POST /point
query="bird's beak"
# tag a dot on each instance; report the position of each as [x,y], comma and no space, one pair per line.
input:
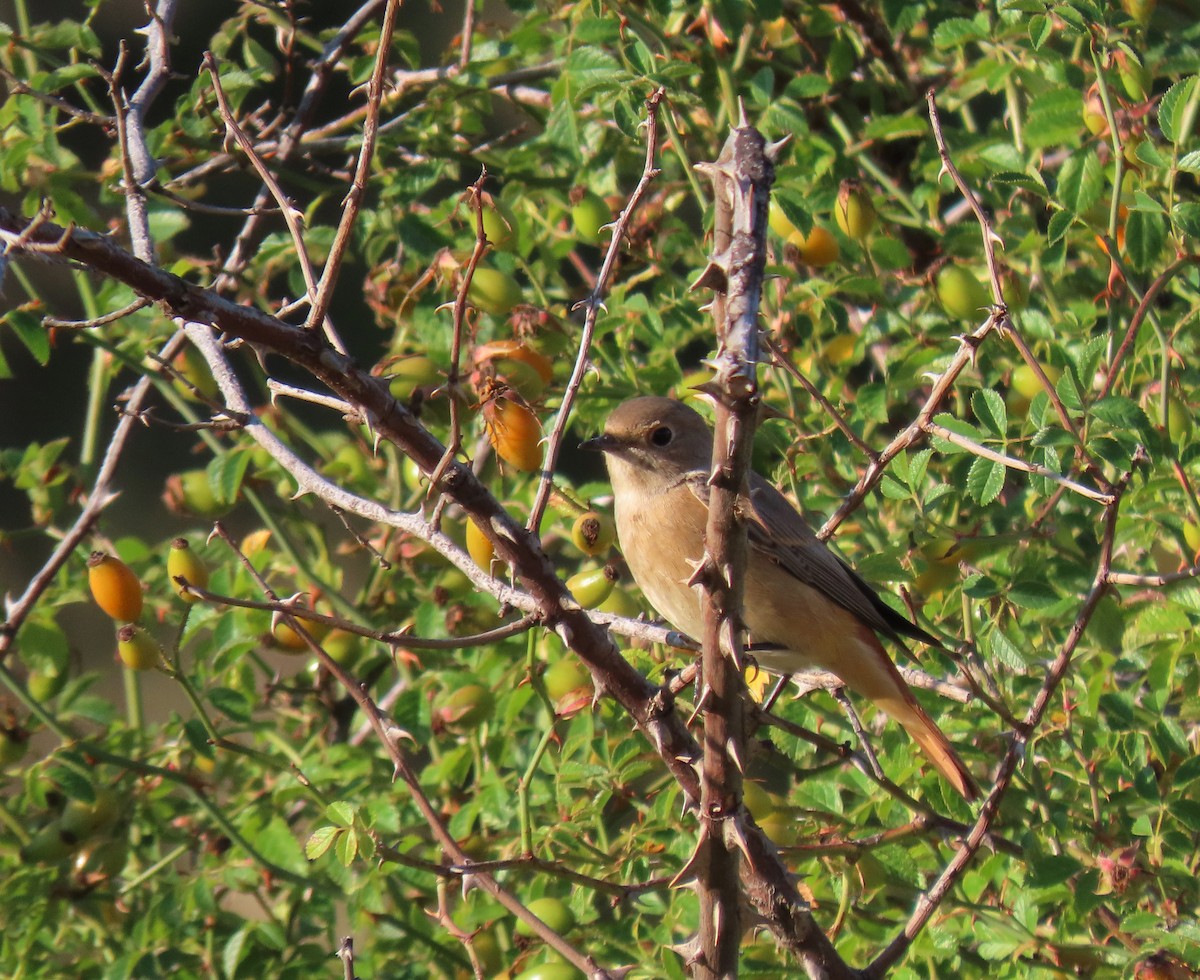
[600,444]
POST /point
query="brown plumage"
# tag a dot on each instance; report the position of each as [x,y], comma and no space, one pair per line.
[803,606]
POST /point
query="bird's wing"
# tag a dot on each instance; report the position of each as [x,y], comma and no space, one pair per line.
[778,533]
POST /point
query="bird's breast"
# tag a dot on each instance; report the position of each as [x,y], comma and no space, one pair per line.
[662,537]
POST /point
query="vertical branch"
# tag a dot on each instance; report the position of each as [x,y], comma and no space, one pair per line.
[358,186]
[741,178]
[593,305]
[138,167]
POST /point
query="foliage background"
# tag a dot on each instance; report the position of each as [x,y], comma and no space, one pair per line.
[200,867]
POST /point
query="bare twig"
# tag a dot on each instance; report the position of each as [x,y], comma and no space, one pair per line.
[454,443]
[292,215]
[1000,311]
[592,306]
[1012,463]
[358,186]
[391,637]
[1135,322]
[17,87]
[784,362]
[1154,581]
[914,431]
[322,71]
[99,321]
[280,390]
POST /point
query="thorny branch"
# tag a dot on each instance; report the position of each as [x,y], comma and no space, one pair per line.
[389,736]
[102,494]
[358,187]
[592,306]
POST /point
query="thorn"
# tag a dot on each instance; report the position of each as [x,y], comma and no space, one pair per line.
[698,572]
[699,705]
[714,276]
[734,753]
[687,871]
[943,171]
[743,121]
[734,829]
[773,150]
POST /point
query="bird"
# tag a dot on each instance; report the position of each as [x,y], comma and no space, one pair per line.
[803,607]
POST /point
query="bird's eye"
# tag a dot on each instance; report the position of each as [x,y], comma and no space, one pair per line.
[662,436]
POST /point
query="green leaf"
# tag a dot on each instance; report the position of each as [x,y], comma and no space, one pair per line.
[1080,182]
[232,703]
[956,32]
[1031,182]
[985,480]
[1120,412]
[31,333]
[1145,236]
[1186,217]
[892,489]
[989,409]
[1187,812]
[1059,224]
[1053,869]
[1053,119]
[225,474]
[1173,107]
[235,950]
[1032,594]
[320,840]
[341,813]
[873,402]
[347,848]
[1005,652]
[1189,161]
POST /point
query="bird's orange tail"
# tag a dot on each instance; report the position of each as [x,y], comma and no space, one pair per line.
[882,683]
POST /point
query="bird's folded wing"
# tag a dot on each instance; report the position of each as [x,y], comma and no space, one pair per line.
[777,532]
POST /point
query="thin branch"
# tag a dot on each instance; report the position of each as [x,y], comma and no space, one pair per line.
[1012,463]
[931,899]
[358,187]
[322,72]
[784,362]
[389,737]
[1000,312]
[391,637]
[280,390]
[99,321]
[292,215]
[1135,322]
[18,87]
[915,430]
[1154,581]
[592,306]
[454,443]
